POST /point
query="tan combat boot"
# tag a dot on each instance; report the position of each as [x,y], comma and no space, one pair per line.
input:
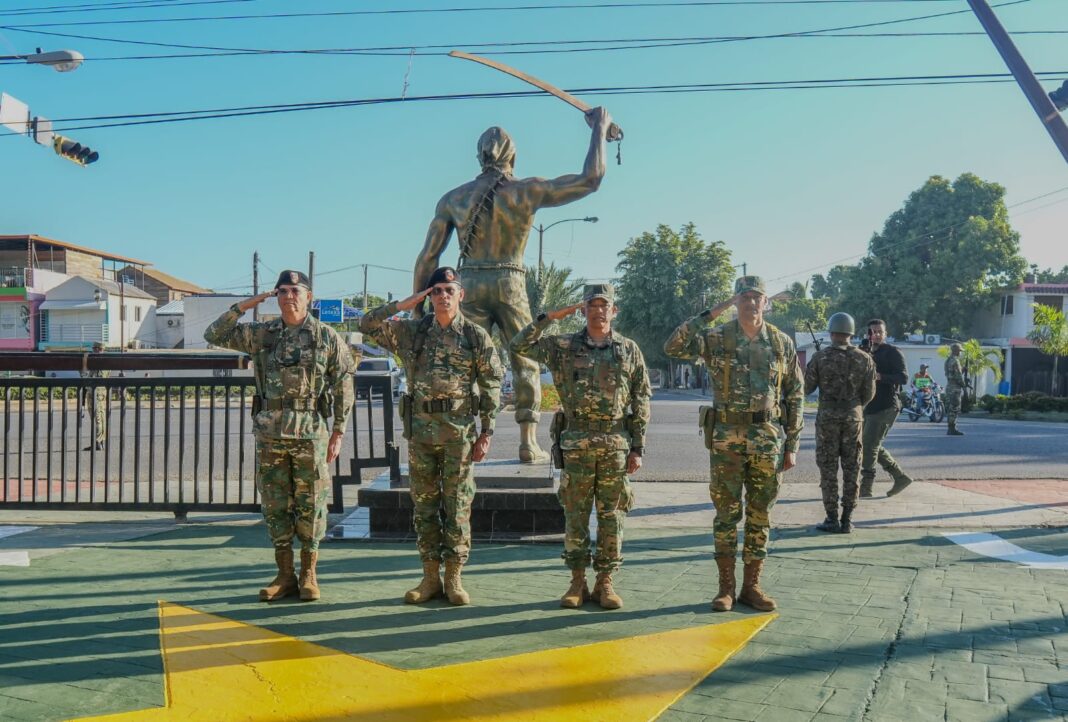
[529,451]
[728,590]
[453,588]
[309,584]
[752,595]
[429,587]
[604,593]
[285,583]
[578,592]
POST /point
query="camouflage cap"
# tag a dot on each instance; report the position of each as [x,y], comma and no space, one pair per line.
[599,290]
[750,283]
[445,274]
[292,278]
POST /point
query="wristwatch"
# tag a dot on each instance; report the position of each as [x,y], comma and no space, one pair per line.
[541,317]
[639,450]
[487,432]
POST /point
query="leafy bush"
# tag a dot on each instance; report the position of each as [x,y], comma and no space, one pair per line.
[1031,401]
[550,398]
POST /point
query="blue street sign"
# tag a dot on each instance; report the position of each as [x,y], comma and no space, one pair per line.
[330,310]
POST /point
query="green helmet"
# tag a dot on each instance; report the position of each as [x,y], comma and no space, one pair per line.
[841,323]
[956,347]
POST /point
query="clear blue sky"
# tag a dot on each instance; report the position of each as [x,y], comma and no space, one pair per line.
[788,179]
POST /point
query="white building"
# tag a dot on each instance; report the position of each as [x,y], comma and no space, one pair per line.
[82,311]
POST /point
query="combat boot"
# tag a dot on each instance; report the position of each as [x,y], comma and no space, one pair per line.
[453,588]
[866,483]
[578,592]
[728,589]
[953,430]
[830,524]
[309,584]
[901,481]
[285,583]
[846,525]
[529,451]
[752,595]
[604,593]
[429,587]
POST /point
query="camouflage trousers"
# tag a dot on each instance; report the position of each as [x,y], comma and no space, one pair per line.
[594,475]
[499,296]
[293,480]
[742,458]
[442,482]
[953,398]
[838,443]
[876,427]
[98,406]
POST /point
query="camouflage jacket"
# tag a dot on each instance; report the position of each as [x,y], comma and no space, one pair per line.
[293,368]
[754,371]
[845,377]
[954,374]
[605,383]
[444,365]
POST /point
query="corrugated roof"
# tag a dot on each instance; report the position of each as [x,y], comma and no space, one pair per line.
[63,244]
[113,288]
[174,308]
[1051,288]
[172,282]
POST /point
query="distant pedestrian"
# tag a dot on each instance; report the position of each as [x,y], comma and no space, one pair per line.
[96,399]
[954,389]
[845,377]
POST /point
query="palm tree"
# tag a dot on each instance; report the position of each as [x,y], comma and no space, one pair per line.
[556,290]
[1050,335]
[976,361]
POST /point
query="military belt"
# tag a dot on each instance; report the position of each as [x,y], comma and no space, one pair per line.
[746,417]
[839,404]
[606,426]
[290,404]
[443,406]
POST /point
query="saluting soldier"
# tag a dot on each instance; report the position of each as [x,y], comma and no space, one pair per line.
[303,375]
[604,390]
[758,393]
[954,389]
[445,357]
[845,377]
[96,398]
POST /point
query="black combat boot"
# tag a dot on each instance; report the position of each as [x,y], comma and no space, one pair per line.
[846,525]
[830,524]
[953,430]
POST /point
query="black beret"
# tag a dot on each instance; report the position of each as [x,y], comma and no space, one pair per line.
[293,278]
[445,274]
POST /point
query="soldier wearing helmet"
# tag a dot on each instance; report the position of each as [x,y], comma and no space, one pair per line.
[845,377]
[954,389]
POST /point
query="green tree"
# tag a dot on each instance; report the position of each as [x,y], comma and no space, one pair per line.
[975,361]
[829,287]
[793,315]
[938,259]
[1050,335]
[556,290]
[1051,276]
[666,276]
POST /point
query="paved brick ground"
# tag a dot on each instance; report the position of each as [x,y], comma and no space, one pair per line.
[887,623]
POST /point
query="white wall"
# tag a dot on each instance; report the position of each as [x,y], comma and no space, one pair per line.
[201,312]
[170,330]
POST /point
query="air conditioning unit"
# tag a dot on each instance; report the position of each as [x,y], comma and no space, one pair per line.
[170,321]
[932,339]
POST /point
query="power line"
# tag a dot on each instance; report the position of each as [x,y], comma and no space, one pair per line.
[361,265]
[126,120]
[741,38]
[546,46]
[112,6]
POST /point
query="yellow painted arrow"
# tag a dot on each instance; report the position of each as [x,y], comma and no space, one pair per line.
[218,670]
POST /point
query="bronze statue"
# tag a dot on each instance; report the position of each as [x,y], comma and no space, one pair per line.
[492,216]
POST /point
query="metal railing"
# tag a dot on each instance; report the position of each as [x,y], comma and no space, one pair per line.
[12,277]
[169,444]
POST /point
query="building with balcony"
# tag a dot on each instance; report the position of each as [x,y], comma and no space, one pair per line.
[163,286]
[82,311]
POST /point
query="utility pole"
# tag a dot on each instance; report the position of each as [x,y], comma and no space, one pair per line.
[365,287]
[1040,100]
[255,282]
[311,269]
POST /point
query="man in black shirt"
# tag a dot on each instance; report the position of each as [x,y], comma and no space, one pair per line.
[881,413]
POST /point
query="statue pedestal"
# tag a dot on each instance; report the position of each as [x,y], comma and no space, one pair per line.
[513,502]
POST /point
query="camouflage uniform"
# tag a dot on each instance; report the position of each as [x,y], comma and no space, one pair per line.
[442,365]
[294,367]
[745,451]
[96,398]
[954,389]
[604,390]
[845,377]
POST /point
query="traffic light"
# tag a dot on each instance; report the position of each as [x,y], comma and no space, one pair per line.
[1060,96]
[74,151]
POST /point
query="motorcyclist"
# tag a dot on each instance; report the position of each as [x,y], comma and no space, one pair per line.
[922,386]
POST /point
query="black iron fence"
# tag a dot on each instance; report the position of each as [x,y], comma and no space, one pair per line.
[167,444]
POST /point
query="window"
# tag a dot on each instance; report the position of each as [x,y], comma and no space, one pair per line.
[1006,305]
[137,313]
[122,313]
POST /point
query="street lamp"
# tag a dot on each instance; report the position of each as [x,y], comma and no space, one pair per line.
[541,233]
[62,61]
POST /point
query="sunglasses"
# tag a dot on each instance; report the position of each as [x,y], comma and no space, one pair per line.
[444,290]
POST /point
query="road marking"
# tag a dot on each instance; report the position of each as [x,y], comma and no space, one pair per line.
[14,559]
[218,669]
[991,545]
